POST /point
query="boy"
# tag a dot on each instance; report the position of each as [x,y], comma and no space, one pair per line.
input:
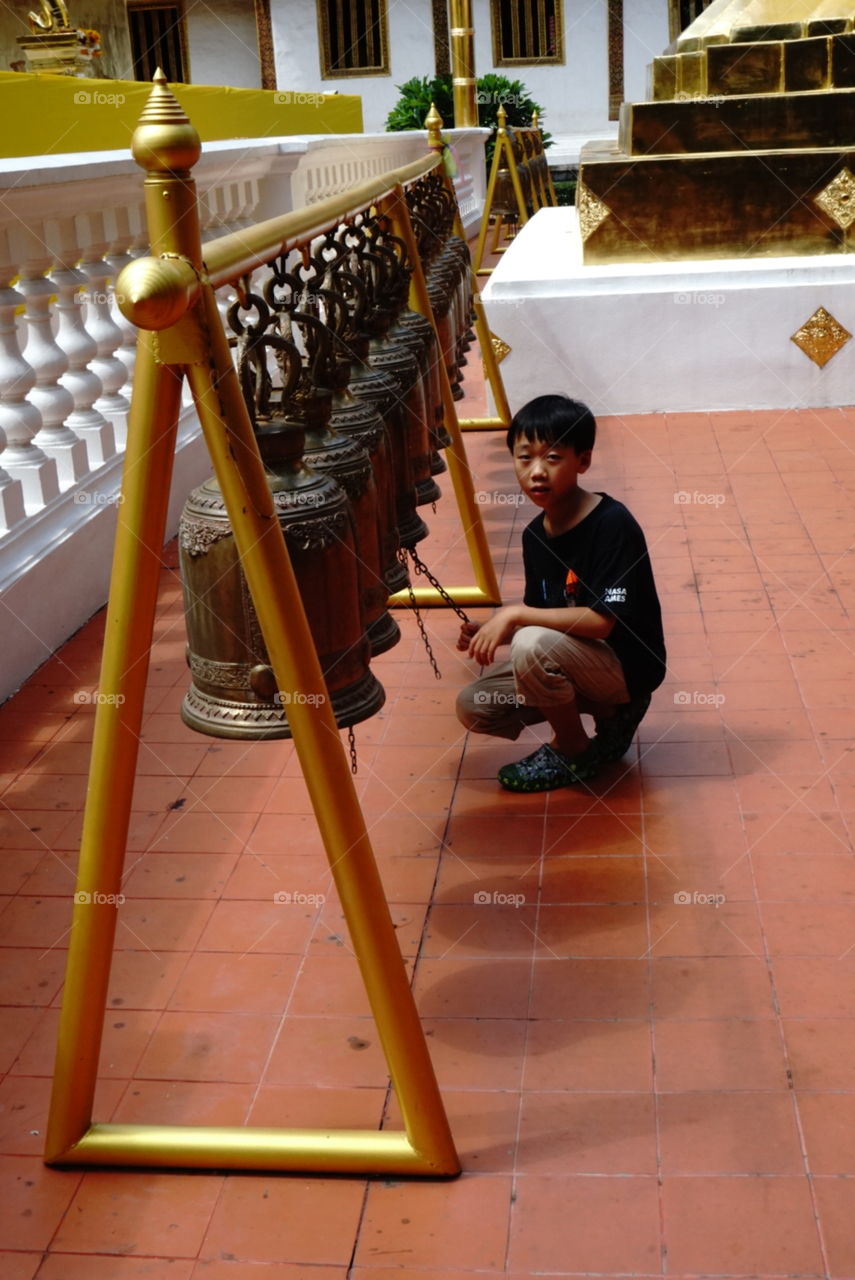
[588,637]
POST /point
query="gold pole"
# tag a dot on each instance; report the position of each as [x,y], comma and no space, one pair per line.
[118,721]
[463,65]
[482,329]
[486,590]
[166,144]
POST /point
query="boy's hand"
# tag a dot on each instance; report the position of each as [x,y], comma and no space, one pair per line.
[467,631]
[497,631]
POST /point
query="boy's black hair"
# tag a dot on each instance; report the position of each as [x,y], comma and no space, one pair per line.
[554,419]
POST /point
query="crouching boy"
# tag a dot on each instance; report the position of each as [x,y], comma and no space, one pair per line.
[588,636]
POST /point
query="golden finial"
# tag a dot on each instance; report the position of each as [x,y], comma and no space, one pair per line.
[164,139]
[433,124]
[53,17]
[535,120]
[502,117]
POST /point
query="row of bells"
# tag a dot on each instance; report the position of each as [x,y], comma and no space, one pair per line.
[532,170]
[349,466]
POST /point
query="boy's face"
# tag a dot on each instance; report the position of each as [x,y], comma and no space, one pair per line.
[548,474]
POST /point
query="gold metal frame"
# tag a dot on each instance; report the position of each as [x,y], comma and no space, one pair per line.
[433,124]
[171,297]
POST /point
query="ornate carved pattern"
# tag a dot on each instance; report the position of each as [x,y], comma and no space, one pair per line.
[225,675]
[615,42]
[838,199]
[592,210]
[500,348]
[196,537]
[821,337]
[317,534]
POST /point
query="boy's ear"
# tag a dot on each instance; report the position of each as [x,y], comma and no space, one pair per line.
[584,460]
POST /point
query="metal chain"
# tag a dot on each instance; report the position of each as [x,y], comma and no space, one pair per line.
[421,568]
[351,746]
[402,557]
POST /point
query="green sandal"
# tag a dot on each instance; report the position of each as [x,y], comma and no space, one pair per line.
[547,769]
[615,735]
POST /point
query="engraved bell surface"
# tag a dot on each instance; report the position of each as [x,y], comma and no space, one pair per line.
[233,691]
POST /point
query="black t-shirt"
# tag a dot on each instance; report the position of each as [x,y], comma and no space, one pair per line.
[602,563]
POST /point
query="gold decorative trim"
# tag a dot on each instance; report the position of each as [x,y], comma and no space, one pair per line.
[592,210]
[335,19]
[838,199]
[500,348]
[508,29]
[821,337]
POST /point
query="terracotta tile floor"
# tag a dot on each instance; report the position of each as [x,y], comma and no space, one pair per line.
[647,1059]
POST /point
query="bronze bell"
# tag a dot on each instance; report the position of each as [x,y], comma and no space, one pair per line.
[379,390]
[306,314]
[432,215]
[379,267]
[233,691]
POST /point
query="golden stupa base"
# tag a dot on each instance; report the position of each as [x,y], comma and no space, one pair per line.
[731,205]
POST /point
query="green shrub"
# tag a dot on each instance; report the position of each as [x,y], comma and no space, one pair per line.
[565,192]
[491,92]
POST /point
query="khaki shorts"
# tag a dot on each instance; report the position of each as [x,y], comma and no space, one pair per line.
[546,669]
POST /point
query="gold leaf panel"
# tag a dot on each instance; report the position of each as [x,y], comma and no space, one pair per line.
[838,199]
[821,337]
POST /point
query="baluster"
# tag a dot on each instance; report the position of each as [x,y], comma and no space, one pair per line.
[48,361]
[34,472]
[131,242]
[99,323]
[11,490]
[79,347]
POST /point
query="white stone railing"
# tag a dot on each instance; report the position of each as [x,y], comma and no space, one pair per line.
[67,226]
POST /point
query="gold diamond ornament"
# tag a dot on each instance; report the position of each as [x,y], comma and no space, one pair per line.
[838,199]
[500,348]
[592,211]
[821,337]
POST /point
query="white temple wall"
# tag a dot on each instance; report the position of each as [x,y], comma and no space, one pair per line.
[575,95]
[223,47]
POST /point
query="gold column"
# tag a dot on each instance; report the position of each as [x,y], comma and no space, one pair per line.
[463,64]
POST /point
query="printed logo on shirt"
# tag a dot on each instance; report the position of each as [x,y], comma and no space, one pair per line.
[614,595]
[571,582]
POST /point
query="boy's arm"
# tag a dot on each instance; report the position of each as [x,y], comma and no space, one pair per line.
[572,621]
